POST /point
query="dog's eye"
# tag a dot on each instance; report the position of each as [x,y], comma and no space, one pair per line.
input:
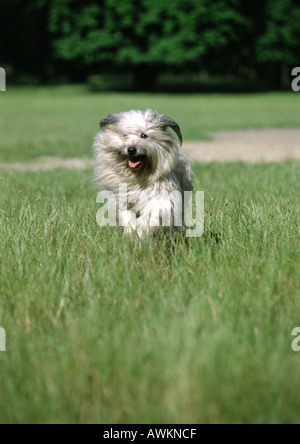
[144,136]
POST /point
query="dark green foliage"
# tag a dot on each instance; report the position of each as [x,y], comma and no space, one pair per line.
[145,32]
[281,37]
[149,35]
[257,41]
[24,40]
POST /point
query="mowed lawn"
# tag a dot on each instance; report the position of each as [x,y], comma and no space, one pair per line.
[170,330]
[62,121]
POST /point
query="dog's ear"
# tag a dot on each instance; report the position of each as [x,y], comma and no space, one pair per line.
[166,121]
[110,120]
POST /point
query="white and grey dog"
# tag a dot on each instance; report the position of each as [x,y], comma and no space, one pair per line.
[138,150]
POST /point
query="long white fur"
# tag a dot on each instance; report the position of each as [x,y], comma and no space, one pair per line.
[152,187]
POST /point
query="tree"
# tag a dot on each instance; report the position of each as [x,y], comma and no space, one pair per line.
[74,38]
[148,36]
[24,42]
[278,47]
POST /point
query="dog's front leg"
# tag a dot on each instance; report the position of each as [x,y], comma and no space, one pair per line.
[127,221]
[155,216]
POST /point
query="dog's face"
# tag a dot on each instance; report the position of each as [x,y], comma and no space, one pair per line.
[139,144]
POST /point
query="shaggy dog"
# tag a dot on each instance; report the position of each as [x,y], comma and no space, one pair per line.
[138,159]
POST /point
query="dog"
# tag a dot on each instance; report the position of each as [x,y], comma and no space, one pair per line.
[140,150]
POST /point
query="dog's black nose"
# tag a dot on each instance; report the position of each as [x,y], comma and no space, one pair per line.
[132,151]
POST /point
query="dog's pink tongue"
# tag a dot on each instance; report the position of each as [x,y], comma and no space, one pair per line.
[133,164]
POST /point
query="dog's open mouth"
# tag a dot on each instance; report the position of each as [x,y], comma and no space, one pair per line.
[136,162]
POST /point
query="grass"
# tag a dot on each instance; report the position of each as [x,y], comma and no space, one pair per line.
[103,330]
[62,121]
[107,331]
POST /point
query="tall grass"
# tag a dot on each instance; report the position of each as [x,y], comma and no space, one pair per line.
[100,329]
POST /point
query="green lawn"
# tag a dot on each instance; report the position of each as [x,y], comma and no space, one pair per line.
[63,121]
[100,329]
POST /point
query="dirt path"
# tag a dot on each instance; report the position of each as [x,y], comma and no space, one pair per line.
[48,164]
[273,145]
